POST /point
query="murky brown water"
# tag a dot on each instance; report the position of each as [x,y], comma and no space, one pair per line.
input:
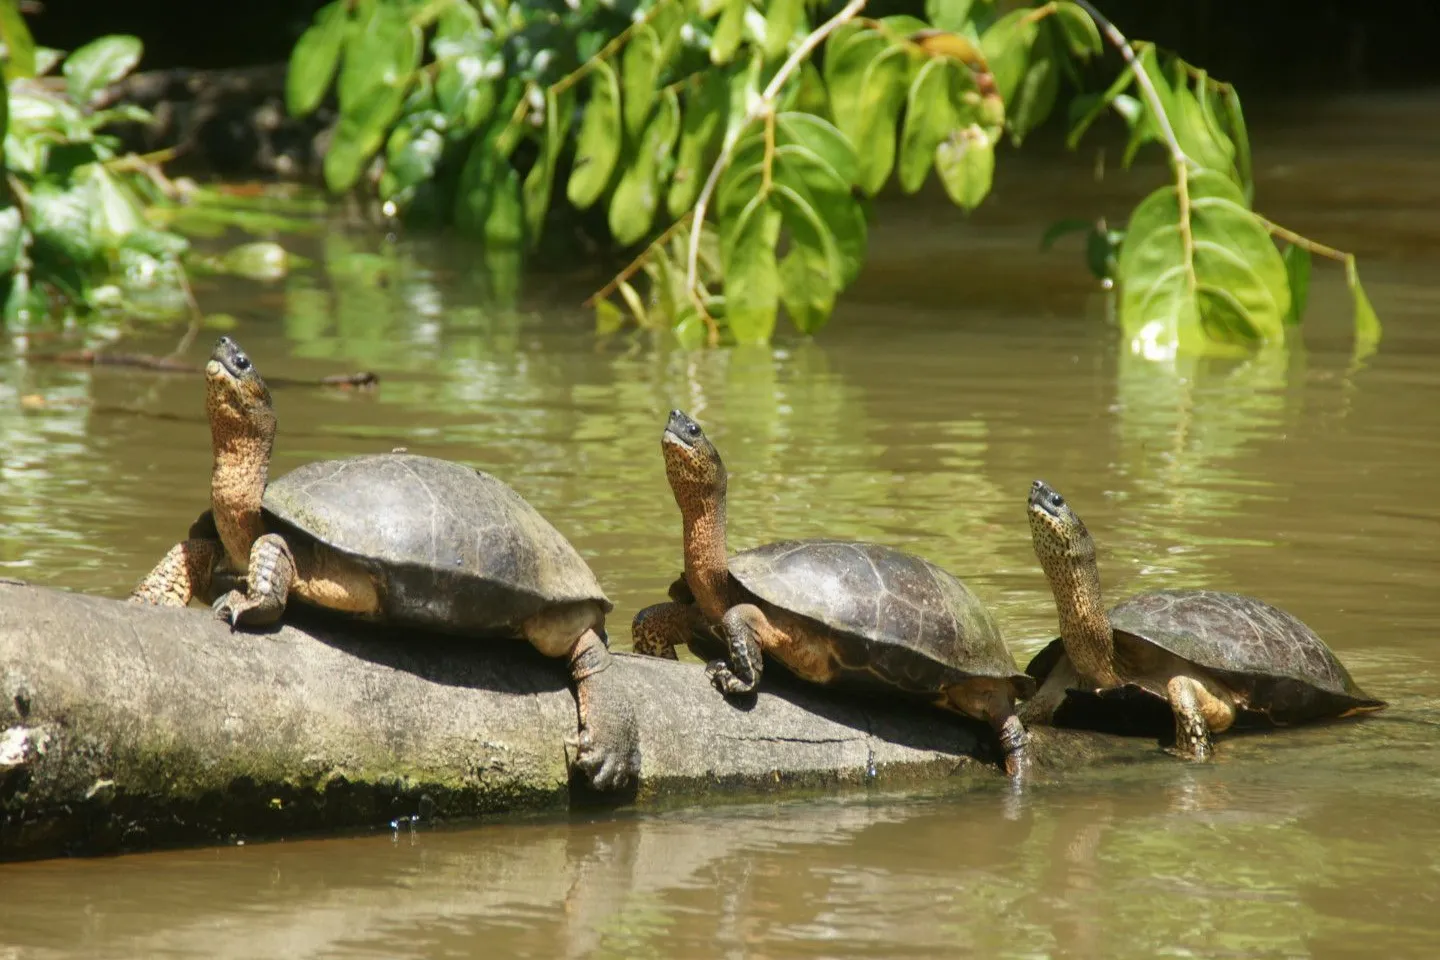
[964,365]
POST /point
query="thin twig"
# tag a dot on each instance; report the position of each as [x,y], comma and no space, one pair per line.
[604,53]
[765,105]
[633,267]
[196,316]
[1290,236]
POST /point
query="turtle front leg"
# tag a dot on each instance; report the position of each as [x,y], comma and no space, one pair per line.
[608,745]
[1199,713]
[996,706]
[272,571]
[658,628]
[183,573]
[746,628]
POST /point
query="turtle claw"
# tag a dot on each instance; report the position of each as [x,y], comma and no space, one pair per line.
[231,607]
[606,767]
[725,679]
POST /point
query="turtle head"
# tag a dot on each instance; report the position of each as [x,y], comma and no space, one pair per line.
[1059,535]
[237,399]
[692,463]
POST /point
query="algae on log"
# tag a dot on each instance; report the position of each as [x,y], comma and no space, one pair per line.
[125,727]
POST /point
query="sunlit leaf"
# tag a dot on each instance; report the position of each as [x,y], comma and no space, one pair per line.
[1202,142]
[729,31]
[874,113]
[61,219]
[379,65]
[1367,323]
[19,45]
[826,142]
[966,164]
[597,147]
[1195,278]
[1146,129]
[115,211]
[1007,44]
[782,19]
[100,63]
[1081,34]
[608,318]
[1297,272]
[1240,136]
[632,300]
[261,260]
[637,195]
[952,15]
[538,182]
[1034,98]
[930,117]
[700,131]
[752,277]
[411,157]
[639,69]
[314,59]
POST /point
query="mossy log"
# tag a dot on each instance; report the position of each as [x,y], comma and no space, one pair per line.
[125,727]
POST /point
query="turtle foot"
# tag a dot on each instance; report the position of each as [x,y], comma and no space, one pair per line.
[236,608]
[726,681]
[607,747]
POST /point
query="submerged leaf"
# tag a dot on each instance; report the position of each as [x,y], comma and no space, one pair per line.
[1367,323]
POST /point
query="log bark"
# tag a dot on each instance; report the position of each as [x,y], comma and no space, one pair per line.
[124,727]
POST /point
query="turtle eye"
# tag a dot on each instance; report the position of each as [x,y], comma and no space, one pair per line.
[1057,500]
[693,429]
[242,362]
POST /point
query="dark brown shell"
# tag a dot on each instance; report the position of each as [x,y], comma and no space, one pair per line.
[451,546]
[1286,670]
[894,616]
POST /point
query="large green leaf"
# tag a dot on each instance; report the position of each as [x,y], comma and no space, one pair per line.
[782,19]
[469,63]
[314,59]
[115,211]
[883,89]
[100,63]
[700,131]
[1007,44]
[1081,34]
[752,277]
[60,219]
[949,15]
[1202,274]
[637,195]
[639,69]
[19,45]
[729,31]
[538,182]
[598,145]
[930,117]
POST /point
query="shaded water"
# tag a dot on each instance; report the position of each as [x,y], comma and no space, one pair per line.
[963,365]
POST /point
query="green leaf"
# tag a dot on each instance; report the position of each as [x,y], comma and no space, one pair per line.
[966,164]
[1297,272]
[12,239]
[782,19]
[1039,85]
[1241,138]
[538,182]
[1193,279]
[883,90]
[700,130]
[637,195]
[1146,129]
[639,71]
[728,32]
[115,212]
[808,273]
[949,15]
[1367,323]
[1202,142]
[100,63]
[752,277]
[412,155]
[314,59]
[19,45]
[930,117]
[1081,34]
[608,318]
[598,146]
[1082,119]
[1007,44]
[822,139]
[470,63]
[379,66]
[61,219]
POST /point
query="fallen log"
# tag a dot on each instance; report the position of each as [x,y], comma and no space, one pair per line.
[125,727]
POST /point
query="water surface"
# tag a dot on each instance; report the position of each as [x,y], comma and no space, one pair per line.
[962,366]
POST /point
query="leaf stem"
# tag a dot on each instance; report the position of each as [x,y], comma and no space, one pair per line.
[1291,237]
[605,52]
[633,267]
[765,105]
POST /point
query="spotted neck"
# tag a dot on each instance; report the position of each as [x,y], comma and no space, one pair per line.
[1084,624]
[237,484]
[706,566]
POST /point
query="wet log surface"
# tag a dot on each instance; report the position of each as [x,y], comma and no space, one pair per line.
[125,727]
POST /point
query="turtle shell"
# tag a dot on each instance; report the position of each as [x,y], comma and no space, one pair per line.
[893,617]
[450,546]
[1285,670]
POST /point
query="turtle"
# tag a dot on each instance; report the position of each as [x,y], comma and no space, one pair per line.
[1212,657]
[830,611]
[397,538]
